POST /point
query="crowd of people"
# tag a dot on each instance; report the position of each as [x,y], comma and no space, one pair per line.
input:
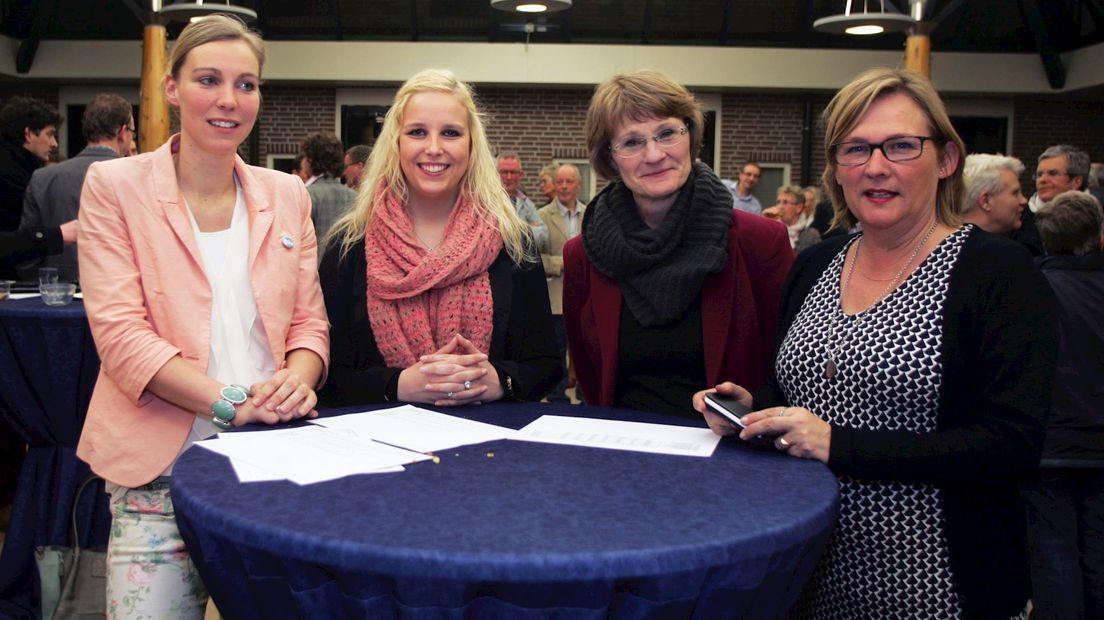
[928,332]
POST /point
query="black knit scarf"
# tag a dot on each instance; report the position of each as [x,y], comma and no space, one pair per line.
[660,271]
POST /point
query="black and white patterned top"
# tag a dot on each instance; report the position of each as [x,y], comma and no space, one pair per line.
[887,557]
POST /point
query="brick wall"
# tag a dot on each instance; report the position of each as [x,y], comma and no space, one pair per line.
[291,113]
[546,124]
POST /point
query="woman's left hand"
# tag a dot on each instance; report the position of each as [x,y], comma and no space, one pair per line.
[796,431]
[462,374]
[286,395]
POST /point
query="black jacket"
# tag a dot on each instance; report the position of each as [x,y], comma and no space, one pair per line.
[999,335]
[1075,429]
[523,340]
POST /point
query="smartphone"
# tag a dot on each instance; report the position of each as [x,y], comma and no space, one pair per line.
[727,406]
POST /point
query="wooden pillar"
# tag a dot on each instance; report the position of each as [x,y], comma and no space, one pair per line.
[153,124]
[918,48]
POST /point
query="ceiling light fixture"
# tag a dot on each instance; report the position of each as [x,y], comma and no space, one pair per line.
[865,23]
[194,11]
[531,6]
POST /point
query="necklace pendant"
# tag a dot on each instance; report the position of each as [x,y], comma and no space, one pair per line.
[830,369]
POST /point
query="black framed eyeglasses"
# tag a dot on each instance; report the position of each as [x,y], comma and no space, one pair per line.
[898,149]
[631,147]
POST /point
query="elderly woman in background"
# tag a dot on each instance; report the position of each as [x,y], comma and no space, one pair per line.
[200,281]
[1066,499]
[667,285]
[994,201]
[547,184]
[793,210]
[916,363]
[434,289]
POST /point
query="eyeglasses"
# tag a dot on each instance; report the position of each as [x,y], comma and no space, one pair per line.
[901,148]
[130,128]
[1050,173]
[631,147]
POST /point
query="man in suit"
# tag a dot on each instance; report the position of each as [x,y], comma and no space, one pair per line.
[564,218]
[322,161]
[53,195]
[355,160]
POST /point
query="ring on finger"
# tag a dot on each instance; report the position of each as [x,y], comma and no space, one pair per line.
[467,385]
[449,395]
[781,443]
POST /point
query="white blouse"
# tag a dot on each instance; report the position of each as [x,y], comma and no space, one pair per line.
[239,346]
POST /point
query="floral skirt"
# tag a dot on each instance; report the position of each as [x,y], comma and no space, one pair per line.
[150,574]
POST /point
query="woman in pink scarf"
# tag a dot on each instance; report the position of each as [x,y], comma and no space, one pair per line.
[433,290]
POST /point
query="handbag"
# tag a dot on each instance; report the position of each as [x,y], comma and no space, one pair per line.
[73,580]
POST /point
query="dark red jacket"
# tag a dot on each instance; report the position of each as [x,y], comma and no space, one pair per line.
[740,310]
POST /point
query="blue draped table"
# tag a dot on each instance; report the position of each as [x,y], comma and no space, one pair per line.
[48,367]
[511,529]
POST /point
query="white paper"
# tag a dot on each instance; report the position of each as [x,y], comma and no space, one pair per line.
[617,435]
[417,429]
[307,454]
[23,295]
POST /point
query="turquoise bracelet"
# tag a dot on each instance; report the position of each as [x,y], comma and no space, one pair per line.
[224,409]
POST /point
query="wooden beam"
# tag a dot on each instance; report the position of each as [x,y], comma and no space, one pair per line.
[1052,62]
[43,14]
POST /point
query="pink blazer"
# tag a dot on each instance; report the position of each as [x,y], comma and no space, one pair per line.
[148,299]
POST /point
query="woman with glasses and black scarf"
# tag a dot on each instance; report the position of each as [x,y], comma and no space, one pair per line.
[667,286]
[916,363]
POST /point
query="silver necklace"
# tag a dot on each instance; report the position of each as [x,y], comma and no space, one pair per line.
[833,348]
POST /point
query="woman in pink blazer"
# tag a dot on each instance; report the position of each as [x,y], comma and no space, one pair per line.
[202,293]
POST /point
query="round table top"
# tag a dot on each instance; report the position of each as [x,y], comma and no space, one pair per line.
[501,509]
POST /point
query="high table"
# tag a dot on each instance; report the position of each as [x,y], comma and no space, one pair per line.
[512,529]
[48,367]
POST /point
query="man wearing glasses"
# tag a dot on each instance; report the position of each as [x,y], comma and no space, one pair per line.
[1061,168]
[53,195]
[511,173]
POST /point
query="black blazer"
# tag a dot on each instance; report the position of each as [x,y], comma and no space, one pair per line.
[523,340]
[998,353]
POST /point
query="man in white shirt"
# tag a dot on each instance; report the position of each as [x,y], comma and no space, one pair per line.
[742,198]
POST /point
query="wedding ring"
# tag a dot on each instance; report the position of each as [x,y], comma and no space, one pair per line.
[467,385]
[781,412]
[449,396]
[781,443]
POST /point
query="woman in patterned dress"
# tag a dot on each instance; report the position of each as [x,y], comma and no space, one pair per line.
[916,363]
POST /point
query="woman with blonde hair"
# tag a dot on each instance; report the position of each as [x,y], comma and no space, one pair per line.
[202,294]
[916,363]
[434,291]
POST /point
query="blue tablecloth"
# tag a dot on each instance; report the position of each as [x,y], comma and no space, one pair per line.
[512,529]
[48,367]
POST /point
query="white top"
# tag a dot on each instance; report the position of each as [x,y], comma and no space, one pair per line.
[239,346]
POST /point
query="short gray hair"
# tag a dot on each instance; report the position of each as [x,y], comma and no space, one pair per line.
[1077,161]
[796,191]
[1071,223]
[1096,175]
[982,175]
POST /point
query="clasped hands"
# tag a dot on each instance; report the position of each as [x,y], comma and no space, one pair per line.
[281,398]
[796,430]
[456,374]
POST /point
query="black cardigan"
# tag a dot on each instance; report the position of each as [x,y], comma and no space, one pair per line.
[523,340]
[998,352]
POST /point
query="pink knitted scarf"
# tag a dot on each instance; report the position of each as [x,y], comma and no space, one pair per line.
[417,298]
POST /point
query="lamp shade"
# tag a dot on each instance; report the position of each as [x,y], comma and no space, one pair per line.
[185,11]
[531,6]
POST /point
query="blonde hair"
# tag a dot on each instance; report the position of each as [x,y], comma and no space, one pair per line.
[851,103]
[639,96]
[213,28]
[480,184]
